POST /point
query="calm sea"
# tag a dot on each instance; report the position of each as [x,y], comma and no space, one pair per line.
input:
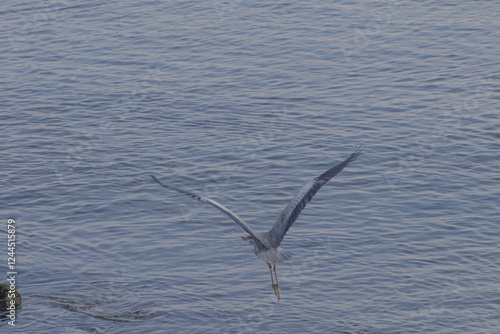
[245,101]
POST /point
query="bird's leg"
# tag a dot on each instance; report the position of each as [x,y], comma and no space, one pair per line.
[271,271]
[277,288]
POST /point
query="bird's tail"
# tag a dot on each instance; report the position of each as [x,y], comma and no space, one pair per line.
[274,255]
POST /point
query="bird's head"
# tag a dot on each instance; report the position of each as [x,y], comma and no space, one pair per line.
[249,239]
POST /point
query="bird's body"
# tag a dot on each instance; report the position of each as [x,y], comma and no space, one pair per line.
[267,244]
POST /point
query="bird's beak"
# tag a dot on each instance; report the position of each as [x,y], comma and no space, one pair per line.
[243,238]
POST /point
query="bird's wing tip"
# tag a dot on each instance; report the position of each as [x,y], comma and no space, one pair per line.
[358,150]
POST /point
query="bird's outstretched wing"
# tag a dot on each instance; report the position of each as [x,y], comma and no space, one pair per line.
[219,206]
[302,197]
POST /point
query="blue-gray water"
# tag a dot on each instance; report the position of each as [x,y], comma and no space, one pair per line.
[244,101]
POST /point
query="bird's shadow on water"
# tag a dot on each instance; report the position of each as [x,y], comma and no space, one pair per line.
[111,298]
[105,308]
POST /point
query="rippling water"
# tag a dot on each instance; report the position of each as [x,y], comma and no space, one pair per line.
[244,102]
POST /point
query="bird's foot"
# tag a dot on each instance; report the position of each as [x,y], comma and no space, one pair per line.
[276,289]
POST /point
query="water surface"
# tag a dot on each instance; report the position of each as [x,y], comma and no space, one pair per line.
[244,102]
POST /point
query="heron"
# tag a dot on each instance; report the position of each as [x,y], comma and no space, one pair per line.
[267,244]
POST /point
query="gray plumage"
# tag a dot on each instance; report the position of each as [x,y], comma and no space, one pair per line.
[266,244]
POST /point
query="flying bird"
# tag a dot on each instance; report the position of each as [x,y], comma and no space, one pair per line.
[267,244]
